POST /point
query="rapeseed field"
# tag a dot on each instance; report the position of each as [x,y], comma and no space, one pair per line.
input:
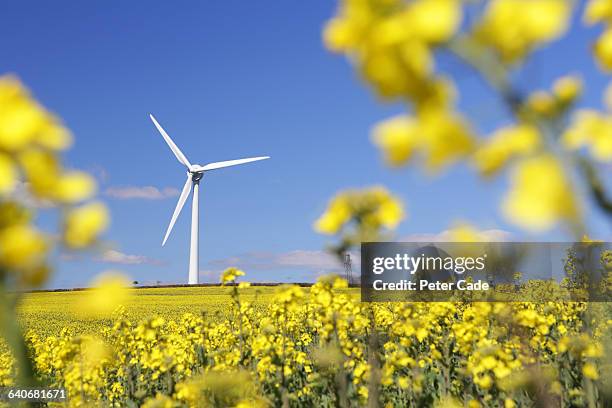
[319,346]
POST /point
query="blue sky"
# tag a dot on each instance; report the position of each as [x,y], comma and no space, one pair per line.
[236,79]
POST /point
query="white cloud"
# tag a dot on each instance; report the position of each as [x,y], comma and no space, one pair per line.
[209,276]
[490,235]
[306,262]
[318,259]
[117,257]
[141,192]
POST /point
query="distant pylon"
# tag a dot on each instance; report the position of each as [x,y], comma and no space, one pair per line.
[348,269]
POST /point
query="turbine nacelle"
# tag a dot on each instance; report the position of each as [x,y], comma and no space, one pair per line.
[196,175]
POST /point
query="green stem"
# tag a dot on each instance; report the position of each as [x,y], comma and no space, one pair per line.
[595,185]
[488,65]
[11,331]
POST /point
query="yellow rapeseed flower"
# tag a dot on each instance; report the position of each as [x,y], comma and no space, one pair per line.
[390,213]
[440,136]
[514,27]
[567,88]
[338,212]
[505,144]
[435,21]
[592,129]
[23,120]
[21,247]
[540,194]
[590,371]
[397,138]
[597,11]
[109,291]
[84,224]
[542,103]
[372,208]
[446,137]
[74,186]
[42,168]
[340,34]
[603,50]
[230,275]
[8,175]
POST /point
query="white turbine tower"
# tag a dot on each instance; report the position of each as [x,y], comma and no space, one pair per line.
[194,175]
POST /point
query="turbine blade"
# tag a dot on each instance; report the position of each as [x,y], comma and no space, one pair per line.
[179,206]
[218,165]
[177,152]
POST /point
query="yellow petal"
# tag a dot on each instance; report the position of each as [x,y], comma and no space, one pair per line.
[540,194]
[567,88]
[74,186]
[54,137]
[603,50]
[84,224]
[597,11]
[109,291]
[435,20]
[547,19]
[505,144]
[396,138]
[339,35]
[21,247]
[8,175]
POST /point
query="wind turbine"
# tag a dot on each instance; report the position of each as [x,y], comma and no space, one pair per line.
[194,175]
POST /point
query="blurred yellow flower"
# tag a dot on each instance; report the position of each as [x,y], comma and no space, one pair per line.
[515,27]
[337,214]
[34,276]
[372,208]
[603,50]
[8,175]
[439,135]
[542,103]
[446,136]
[540,194]
[84,224]
[21,247]
[390,213]
[601,11]
[505,144]
[74,186]
[20,121]
[567,88]
[392,43]
[465,232]
[230,275]
[94,350]
[23,120]
[590,371]
[109,290]
[397,138]
[592,129]
[54,137]
[435,21]
[42,169]
[340,34]
[597,11]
